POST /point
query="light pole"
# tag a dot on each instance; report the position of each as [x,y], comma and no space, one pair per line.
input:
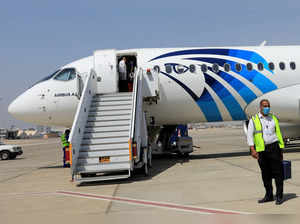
[1,134]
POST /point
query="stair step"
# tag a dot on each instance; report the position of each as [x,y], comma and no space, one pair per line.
[102,178]
[104,147]
[104,167]
[109,113]
[110,108]
[107,123]
[113,95]
[106,134]
[98,141]
[110,118]
[95,161]
[112,98]
[90,154]
[107,129]
[111,103]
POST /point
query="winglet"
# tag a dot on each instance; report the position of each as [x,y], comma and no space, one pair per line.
[263,43]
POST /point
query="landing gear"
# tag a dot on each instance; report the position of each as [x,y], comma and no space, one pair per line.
[150,156]
[147,160]
[146,169]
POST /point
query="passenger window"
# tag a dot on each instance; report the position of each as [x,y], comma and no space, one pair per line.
[238,67]
[271,66]
[168,68]
[215,68]
[249,67]
[192,68]
[260,66]
[179,69]
[66,74]
[227,67]
[204,68]
[282,65]
[157,68]
[293,65]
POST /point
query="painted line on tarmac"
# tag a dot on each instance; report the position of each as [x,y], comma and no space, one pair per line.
[28,194]
[155,204]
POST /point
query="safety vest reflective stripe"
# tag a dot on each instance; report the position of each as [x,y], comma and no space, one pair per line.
[258,134]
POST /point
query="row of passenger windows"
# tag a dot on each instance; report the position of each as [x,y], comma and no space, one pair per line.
[227,67]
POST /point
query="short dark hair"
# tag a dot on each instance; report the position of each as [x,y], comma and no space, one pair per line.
[264,100]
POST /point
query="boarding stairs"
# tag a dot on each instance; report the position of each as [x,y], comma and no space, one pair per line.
[109,134]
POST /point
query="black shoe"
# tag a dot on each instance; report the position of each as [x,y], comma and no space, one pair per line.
[279,200]
[266,199]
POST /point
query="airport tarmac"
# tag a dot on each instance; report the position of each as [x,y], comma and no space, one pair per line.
[218,178]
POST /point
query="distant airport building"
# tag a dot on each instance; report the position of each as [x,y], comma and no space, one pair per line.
[2,133]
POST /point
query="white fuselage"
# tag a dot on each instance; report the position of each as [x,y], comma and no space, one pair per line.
[195,85]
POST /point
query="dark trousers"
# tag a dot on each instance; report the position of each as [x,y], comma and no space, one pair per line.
[270,162]
[123,86]
[64,156]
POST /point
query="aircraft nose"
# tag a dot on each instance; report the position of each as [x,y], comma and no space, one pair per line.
[24,107]
[13,108]
[16,107]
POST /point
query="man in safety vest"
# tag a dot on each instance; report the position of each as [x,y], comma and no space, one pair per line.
[65,144]
[266,144]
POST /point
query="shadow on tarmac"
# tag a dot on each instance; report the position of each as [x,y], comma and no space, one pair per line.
[161,163]
[51,167]
[289,196]
[234,154]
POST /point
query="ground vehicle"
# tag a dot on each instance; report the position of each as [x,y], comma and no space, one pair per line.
[9,151]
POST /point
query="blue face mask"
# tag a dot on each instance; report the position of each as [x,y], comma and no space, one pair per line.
[266,110]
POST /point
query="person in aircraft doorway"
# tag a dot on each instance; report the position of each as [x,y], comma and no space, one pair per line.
[130,76]
[266,144]
[123,75]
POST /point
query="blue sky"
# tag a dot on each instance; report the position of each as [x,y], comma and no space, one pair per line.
[38,36]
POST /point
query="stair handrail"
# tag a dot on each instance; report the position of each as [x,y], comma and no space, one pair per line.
[135,83]
[81,116]
[137,104]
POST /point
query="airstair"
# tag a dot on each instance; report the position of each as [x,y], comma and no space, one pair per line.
[109,135]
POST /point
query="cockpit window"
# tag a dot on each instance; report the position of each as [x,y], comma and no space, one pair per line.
[66,74]
[47,77]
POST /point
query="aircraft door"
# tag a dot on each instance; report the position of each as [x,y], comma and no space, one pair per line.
[105,65]
[80,86]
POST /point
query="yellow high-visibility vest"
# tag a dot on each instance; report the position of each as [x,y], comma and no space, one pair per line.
[258,133]
[64,141]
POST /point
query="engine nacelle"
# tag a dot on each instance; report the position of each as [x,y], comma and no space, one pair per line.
[284,102]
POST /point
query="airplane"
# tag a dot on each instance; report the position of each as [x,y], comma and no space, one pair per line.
[200,84]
